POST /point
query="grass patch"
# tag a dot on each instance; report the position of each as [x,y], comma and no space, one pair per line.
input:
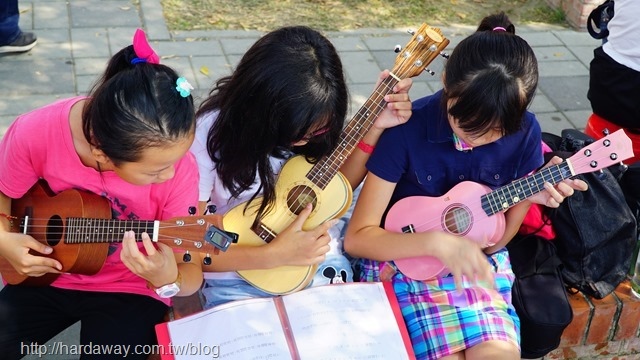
[334,15]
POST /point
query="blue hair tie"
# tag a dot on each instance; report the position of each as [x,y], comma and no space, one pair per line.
[137,60]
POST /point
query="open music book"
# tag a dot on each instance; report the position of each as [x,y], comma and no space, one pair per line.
[339,321]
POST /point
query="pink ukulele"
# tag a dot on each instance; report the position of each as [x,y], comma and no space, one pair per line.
[476,212]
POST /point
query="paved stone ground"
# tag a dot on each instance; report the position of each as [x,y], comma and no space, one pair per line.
[76,38]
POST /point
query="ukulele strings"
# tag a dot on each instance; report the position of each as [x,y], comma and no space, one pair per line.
[555,172]
[89,231]
[399,71]
[384,88]
[333,162]
[308,192]
[463,212]
[386,85]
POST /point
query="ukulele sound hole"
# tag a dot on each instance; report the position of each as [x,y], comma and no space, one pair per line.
[457,220]
[54,230]
[299,197]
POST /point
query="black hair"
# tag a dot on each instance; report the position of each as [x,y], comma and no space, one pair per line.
[289,83]
[135,106]
[491,76]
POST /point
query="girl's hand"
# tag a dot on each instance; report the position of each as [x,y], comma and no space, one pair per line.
[398,108]
[15,249]
[158,266]
[464,257]
[294,246]
[555,195]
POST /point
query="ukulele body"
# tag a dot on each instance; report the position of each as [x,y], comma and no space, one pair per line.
[46,215]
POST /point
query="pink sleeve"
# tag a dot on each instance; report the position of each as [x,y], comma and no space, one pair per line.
[184,192]
[17,165]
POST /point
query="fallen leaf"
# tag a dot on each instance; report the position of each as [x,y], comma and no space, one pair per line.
[204,70]
[125,8]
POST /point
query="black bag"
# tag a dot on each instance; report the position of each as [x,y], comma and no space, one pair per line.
[539,295]
[596,231]
[598,19]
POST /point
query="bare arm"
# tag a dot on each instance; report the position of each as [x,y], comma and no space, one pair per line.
[513,220]
[397,111]
[238,257]
[15,247]
[293,246]
[365,238]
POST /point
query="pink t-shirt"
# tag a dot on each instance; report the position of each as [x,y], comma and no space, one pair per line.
[38,145]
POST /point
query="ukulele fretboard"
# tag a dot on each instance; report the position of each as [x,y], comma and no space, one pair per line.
[507,196]
[83,230]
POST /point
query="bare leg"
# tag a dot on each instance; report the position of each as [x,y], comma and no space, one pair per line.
[493,350]
[456,356]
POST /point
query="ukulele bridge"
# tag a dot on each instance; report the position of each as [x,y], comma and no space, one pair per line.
[409,229]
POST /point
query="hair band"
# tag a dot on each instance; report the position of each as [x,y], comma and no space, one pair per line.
[499,28]
[143,50]
[137,60]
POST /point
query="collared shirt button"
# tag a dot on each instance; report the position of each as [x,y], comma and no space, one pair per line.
[461,177]
[496,176]
[428,177]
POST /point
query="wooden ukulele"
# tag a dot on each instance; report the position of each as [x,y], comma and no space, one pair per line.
[300,182]
[79,228]
[476,212]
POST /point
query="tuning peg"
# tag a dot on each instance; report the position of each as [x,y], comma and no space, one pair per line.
[430,72]
[186,257]
[411,32]
[623,167]
[207,260]
[210,209]
[444,54]
[397,48]
[192,210]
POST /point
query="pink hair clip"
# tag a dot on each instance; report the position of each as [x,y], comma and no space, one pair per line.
[143,50]
[499,28]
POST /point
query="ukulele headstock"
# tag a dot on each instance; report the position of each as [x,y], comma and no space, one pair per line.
[609,150]
[425,45]
[201,234]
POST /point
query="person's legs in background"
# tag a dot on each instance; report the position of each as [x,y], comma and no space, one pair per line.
[12,39]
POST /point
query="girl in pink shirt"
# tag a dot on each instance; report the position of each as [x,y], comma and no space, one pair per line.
[127,142]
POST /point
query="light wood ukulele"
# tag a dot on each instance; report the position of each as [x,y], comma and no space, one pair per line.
[300,182]
[79,228]
[475,211]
